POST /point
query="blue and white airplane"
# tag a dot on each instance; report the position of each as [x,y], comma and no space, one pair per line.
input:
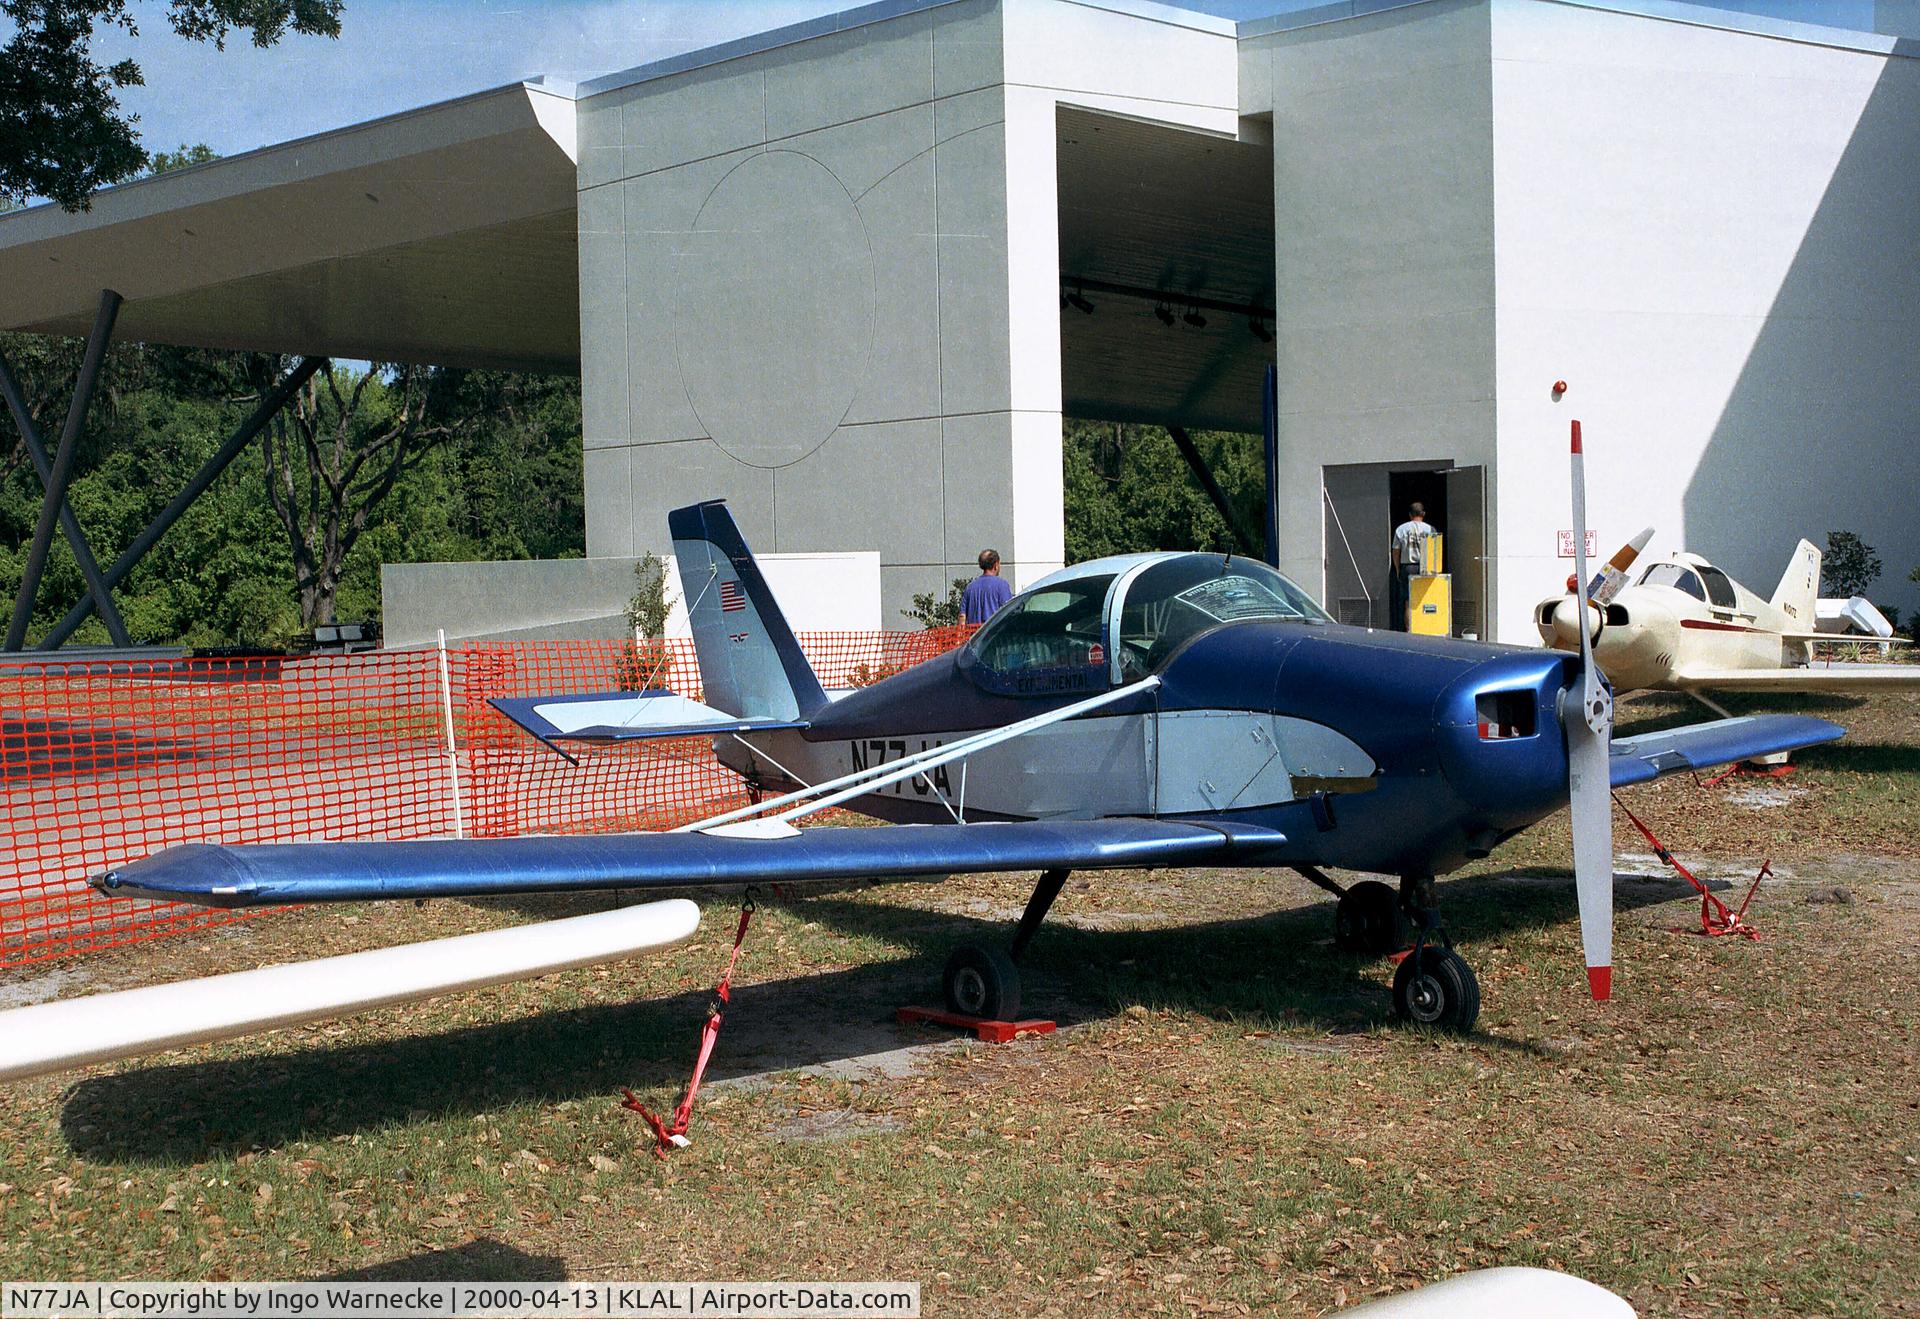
[1142,711]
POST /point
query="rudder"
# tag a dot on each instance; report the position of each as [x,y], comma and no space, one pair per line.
[1800,586]
[750,663]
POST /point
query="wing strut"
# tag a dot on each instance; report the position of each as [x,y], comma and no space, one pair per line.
[802,801]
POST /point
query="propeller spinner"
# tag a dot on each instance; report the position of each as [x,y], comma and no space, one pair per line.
[1589,733]
[1601,589]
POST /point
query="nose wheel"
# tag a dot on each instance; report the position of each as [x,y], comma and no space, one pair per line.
[1435,987]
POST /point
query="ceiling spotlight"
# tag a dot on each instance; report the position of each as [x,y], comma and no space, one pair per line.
[1078,301]
[1258,329]
[1165,315]
[1195,319]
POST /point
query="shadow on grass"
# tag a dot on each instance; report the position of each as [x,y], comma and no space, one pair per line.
[1277,969]
[1644,711]
[1861,758]
[480,1260]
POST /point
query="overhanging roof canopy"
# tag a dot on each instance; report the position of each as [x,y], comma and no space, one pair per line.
[444,235]
[1156,207]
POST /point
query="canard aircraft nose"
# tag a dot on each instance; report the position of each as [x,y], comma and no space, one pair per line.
[1566,627]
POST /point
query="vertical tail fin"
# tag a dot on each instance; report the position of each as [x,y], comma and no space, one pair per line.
[750,664]
[1800,586]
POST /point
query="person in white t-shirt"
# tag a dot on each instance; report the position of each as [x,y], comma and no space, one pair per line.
[1409,553]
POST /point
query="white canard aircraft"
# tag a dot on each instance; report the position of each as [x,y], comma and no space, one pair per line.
[1687,626]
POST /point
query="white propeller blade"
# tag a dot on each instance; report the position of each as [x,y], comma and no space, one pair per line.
[1589,731]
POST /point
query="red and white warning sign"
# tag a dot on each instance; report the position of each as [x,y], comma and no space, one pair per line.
[1565,544]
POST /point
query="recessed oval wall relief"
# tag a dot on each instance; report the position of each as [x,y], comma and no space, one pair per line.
[774,326]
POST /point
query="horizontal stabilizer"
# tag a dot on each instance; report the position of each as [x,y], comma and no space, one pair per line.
[621,716]
[1837,677]
[1717,742]
[52,1037]
[273,873]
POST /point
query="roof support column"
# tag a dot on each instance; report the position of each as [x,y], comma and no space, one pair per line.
[37,451]
[61,472]
[1204,475]
[210,470]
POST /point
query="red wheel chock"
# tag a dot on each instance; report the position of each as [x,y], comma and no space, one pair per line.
[992,1032]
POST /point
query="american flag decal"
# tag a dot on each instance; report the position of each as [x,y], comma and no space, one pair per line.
[732,597]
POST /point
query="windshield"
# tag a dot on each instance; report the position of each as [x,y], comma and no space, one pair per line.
[1173,601]
[1672,574]
[1045,641]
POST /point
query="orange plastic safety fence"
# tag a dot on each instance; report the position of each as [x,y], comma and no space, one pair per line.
[104,761]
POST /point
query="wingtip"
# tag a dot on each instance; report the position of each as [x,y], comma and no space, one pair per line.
[1600,981]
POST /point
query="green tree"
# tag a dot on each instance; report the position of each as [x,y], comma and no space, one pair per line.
[63,132]
[1849,566]
[334,454]
[1128,489]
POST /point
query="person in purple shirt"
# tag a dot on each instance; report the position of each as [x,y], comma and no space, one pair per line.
[985,593]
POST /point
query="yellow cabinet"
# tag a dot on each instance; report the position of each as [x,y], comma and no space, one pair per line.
[1430,604]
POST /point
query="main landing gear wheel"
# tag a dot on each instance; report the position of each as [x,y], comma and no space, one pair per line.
[982,982]
[1369,920]
[1435,987]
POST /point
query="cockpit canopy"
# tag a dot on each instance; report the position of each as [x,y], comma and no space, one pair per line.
[1700,580]
[1117,620]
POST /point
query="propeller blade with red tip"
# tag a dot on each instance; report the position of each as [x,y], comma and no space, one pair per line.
[1587,715]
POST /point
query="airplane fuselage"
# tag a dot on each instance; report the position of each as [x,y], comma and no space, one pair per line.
[1652,634]
[1367,750]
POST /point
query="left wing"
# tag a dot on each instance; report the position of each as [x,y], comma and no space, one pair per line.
[273,873]
[1718,742]
[1839,677]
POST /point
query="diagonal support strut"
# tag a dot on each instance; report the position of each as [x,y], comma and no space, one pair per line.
[208,473]
[76,538]
[1215,494]
[62,469]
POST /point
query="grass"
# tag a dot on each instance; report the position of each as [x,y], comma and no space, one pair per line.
[1227,1123]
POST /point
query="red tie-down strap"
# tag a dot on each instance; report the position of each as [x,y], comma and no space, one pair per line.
[670,1135]
[1716,918]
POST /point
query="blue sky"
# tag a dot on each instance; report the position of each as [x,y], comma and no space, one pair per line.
[393,55]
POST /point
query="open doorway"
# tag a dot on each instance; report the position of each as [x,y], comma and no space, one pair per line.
[1362,504]
[1426,487]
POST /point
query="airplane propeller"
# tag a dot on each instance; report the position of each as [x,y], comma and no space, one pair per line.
[1589,732]
[1601,588]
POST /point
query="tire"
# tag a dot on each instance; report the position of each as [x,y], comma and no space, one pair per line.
[1441,992]
[982,982]
[1369,920]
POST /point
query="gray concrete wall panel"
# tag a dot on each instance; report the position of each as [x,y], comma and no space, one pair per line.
[1384,264]
[607,485]
[814,275]
[819,503]
[706,113]
[773,308]
[875,69]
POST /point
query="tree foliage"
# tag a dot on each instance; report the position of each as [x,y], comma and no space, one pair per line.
[1849,566]
[333,455]
[931,609]
[63,132]
[504,484]
[1129,490]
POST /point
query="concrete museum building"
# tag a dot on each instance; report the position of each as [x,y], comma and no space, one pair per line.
[851,276]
